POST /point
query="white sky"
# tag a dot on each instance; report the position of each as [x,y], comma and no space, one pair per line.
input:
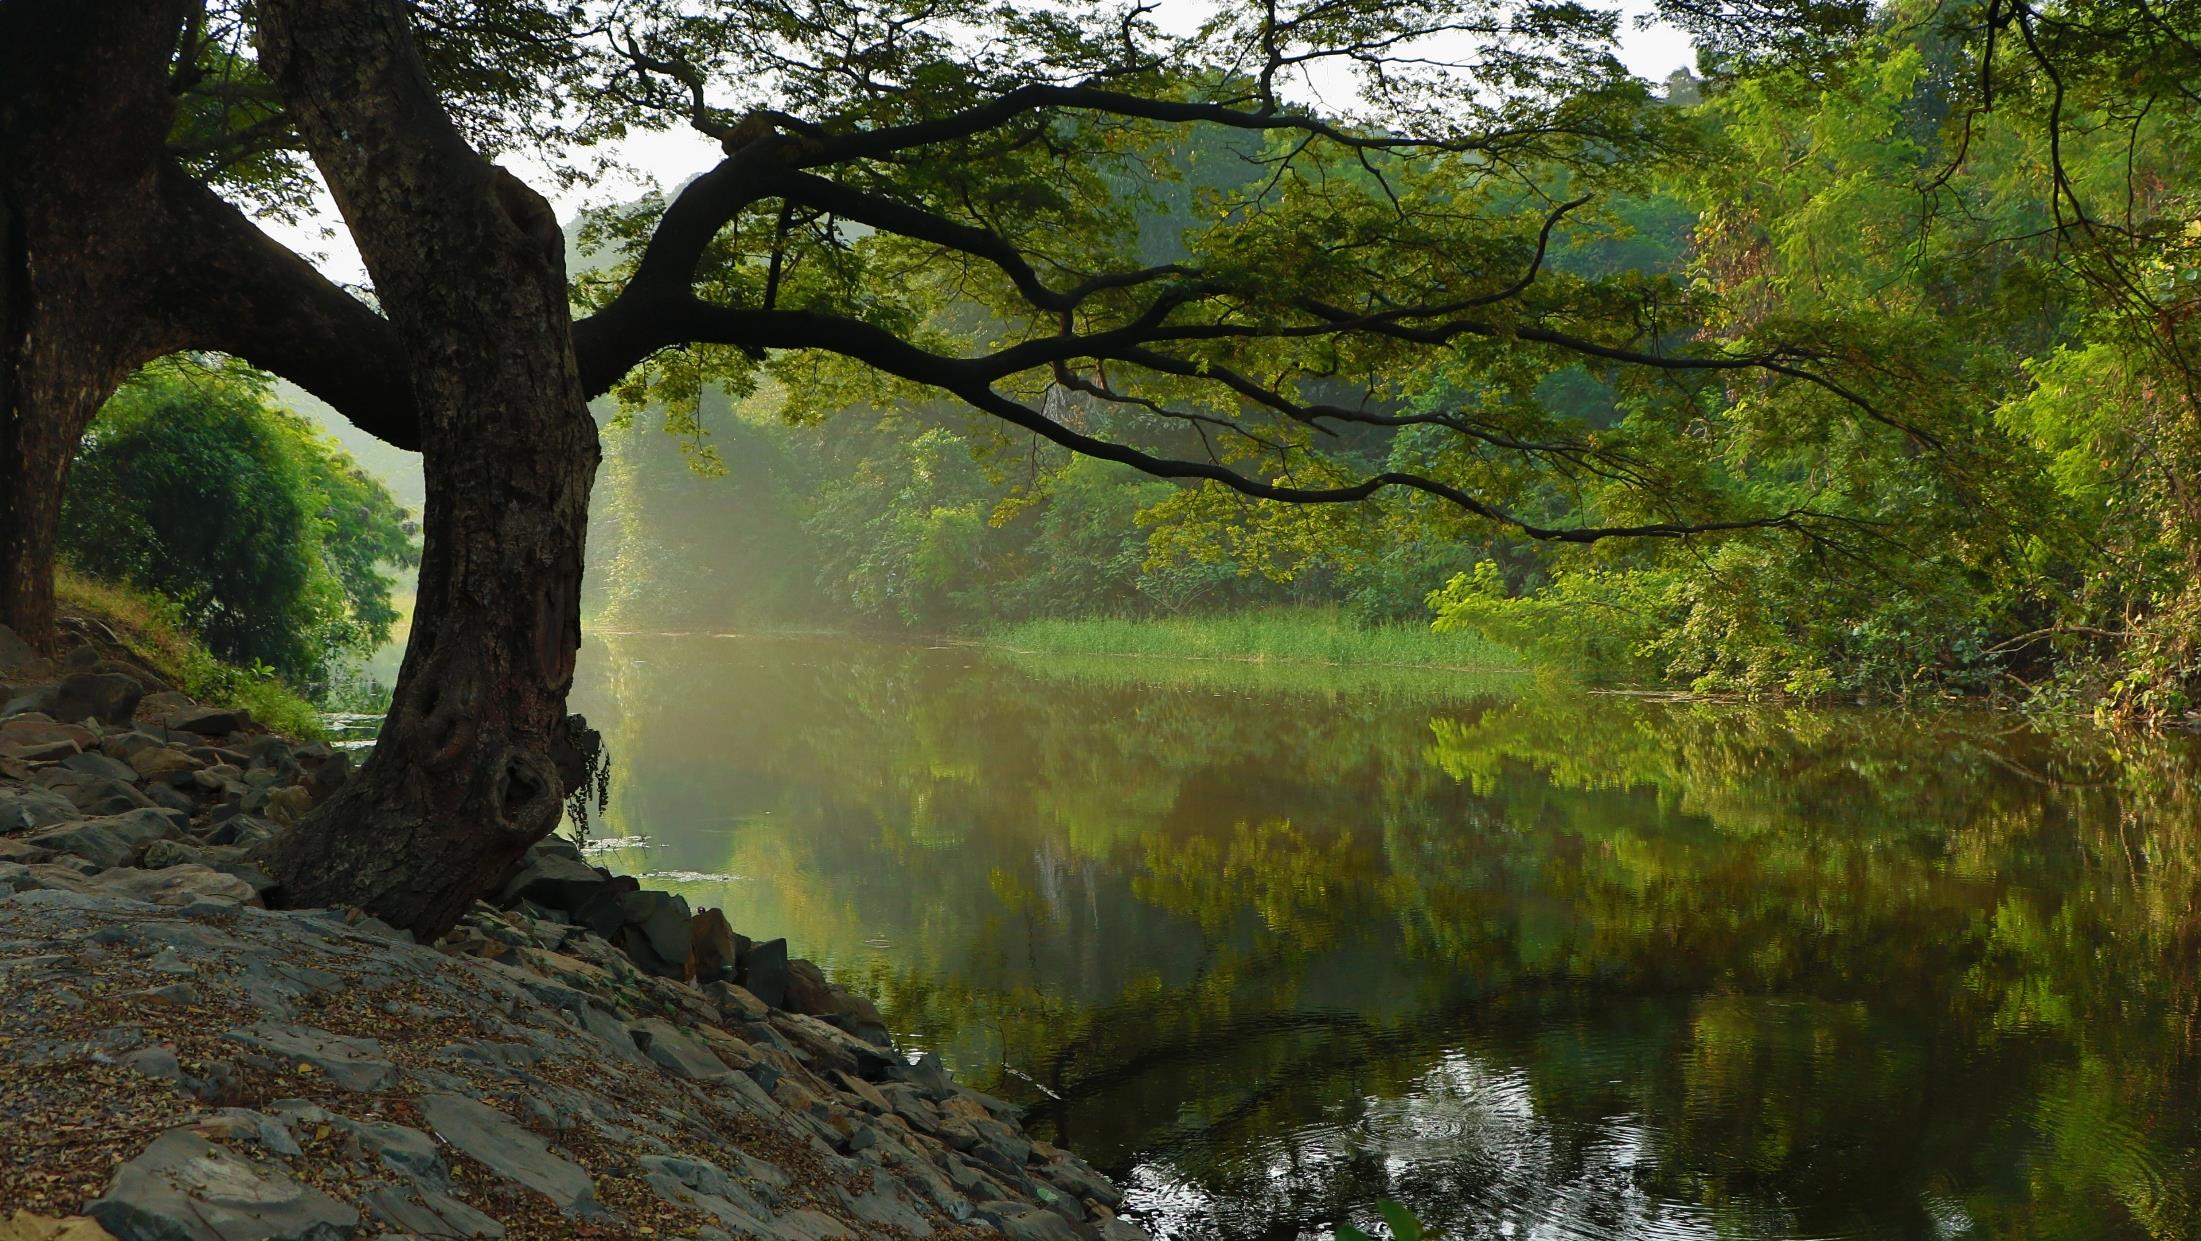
[671,157]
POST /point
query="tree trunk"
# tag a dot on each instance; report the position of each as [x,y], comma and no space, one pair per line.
[30,497]
[83,119]
[39,430]
[469,265]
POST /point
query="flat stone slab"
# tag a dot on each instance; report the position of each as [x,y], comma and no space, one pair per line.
[116,840]
[207,721]
[677,1052]
[428,1213]
[14,651]
[27,1226]
[22,809]
[807,1225]
[349,1063]
[178,885]
[486,1134]
[185,1188]
[705,1187]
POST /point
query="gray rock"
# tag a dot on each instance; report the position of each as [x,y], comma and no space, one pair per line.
[125,745]
[207,721]
[166,701]
[244,831]
[491,1137]
[884,1206]
[807,990]
[349,1063]
[30,702]
[677,1053]
[237,1124]
[117,840]
[163,763]
[713,948]
[14,651]
[55,751]
[612,1032]
[164,853]
[737,1002]
[97,764]
[403,1150]
[1117,1228]
[22,809]
[271,753]
[225,859]
[108,697]
[559,846]
[166,798]
[185,1188]
[859,1016]
[424,1213]
[807,1225]
[602,913]
[1013,1146]
[323,781]
[703,1186]
[1079,1181]
[38,878]
[22,852]
[179,886]
[764,972]
[155,1062]
[1022,1222]
[93,794]
[660,921]
[554,880]
[37,727]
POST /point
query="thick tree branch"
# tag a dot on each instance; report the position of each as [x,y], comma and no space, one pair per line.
[236,290]
[972,383]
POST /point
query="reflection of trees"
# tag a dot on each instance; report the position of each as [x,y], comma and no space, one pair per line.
[1579,959]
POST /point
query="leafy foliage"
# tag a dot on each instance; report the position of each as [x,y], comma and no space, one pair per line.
[154,629]
[1879,332]
[269,539]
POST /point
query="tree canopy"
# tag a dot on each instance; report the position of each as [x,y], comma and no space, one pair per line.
[1401,275]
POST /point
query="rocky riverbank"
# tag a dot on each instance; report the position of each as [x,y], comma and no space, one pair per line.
[579,1058]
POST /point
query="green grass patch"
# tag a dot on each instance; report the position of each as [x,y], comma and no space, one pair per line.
[151,627]
[1277,635]
[1284,649]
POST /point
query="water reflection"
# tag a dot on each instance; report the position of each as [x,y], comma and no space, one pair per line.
[1540,963]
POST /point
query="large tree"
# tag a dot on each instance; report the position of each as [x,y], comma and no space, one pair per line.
[116,249]
[914,196]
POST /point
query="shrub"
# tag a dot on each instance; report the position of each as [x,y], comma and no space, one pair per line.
[269,539]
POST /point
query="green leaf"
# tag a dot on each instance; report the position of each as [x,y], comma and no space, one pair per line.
[1404,1227]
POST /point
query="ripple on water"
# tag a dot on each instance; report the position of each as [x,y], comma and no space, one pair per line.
[610,844]
[689,876]
[1469,1149]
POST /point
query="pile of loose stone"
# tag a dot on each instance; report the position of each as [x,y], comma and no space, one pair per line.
[580,1058]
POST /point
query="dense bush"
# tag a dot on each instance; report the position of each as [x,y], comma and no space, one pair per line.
[271,542]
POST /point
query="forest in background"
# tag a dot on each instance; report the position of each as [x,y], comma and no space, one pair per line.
[2044,549]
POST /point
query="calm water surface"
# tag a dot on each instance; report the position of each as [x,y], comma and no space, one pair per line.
[1541,964]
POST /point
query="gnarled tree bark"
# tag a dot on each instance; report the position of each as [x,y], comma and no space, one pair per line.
[469,264]
[84,111]
[111,256]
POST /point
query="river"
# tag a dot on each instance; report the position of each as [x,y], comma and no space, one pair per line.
[1270,945]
